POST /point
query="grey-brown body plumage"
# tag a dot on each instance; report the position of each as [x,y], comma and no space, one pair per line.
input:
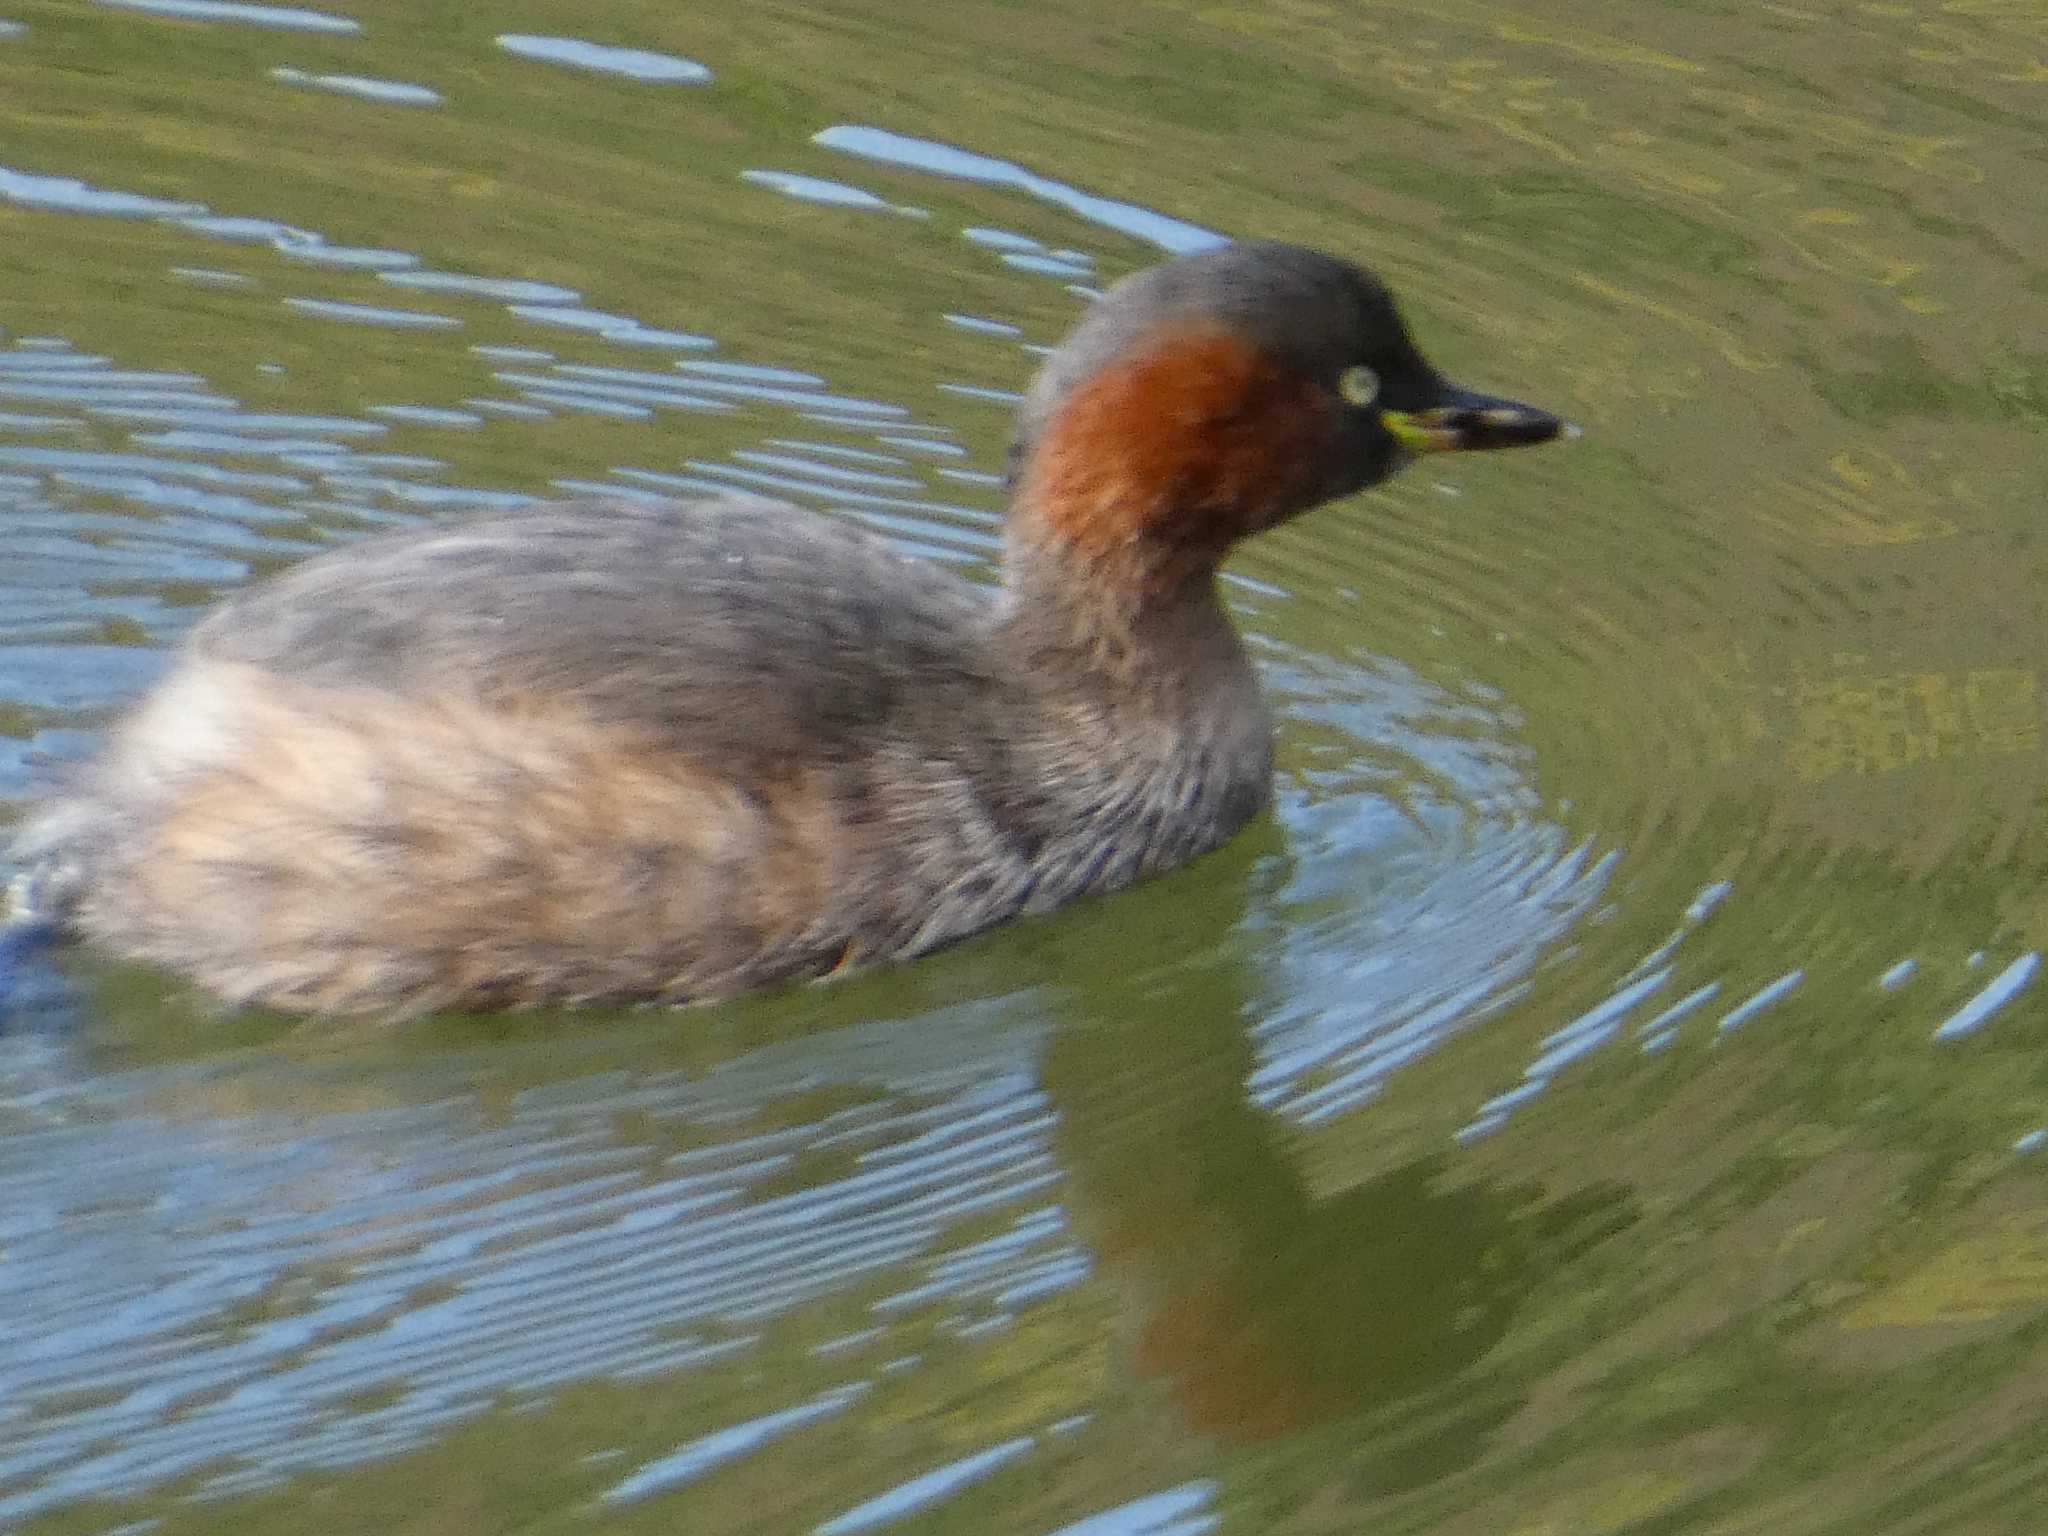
[619,750]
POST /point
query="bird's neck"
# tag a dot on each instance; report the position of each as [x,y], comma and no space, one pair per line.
[1153,732]
[1132,620]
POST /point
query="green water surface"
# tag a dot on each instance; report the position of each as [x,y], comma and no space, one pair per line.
[1597,1100]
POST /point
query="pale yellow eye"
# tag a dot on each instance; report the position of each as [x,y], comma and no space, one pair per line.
[1359,385]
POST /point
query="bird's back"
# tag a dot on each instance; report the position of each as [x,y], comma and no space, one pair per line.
[722,625]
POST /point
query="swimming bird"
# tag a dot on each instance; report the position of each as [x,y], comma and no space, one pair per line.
[611,751]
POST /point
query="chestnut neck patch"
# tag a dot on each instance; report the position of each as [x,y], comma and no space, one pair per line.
[1154,466]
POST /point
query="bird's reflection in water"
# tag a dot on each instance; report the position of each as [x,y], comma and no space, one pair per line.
[1270,1310]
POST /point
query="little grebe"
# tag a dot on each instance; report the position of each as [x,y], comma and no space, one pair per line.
[671,751]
